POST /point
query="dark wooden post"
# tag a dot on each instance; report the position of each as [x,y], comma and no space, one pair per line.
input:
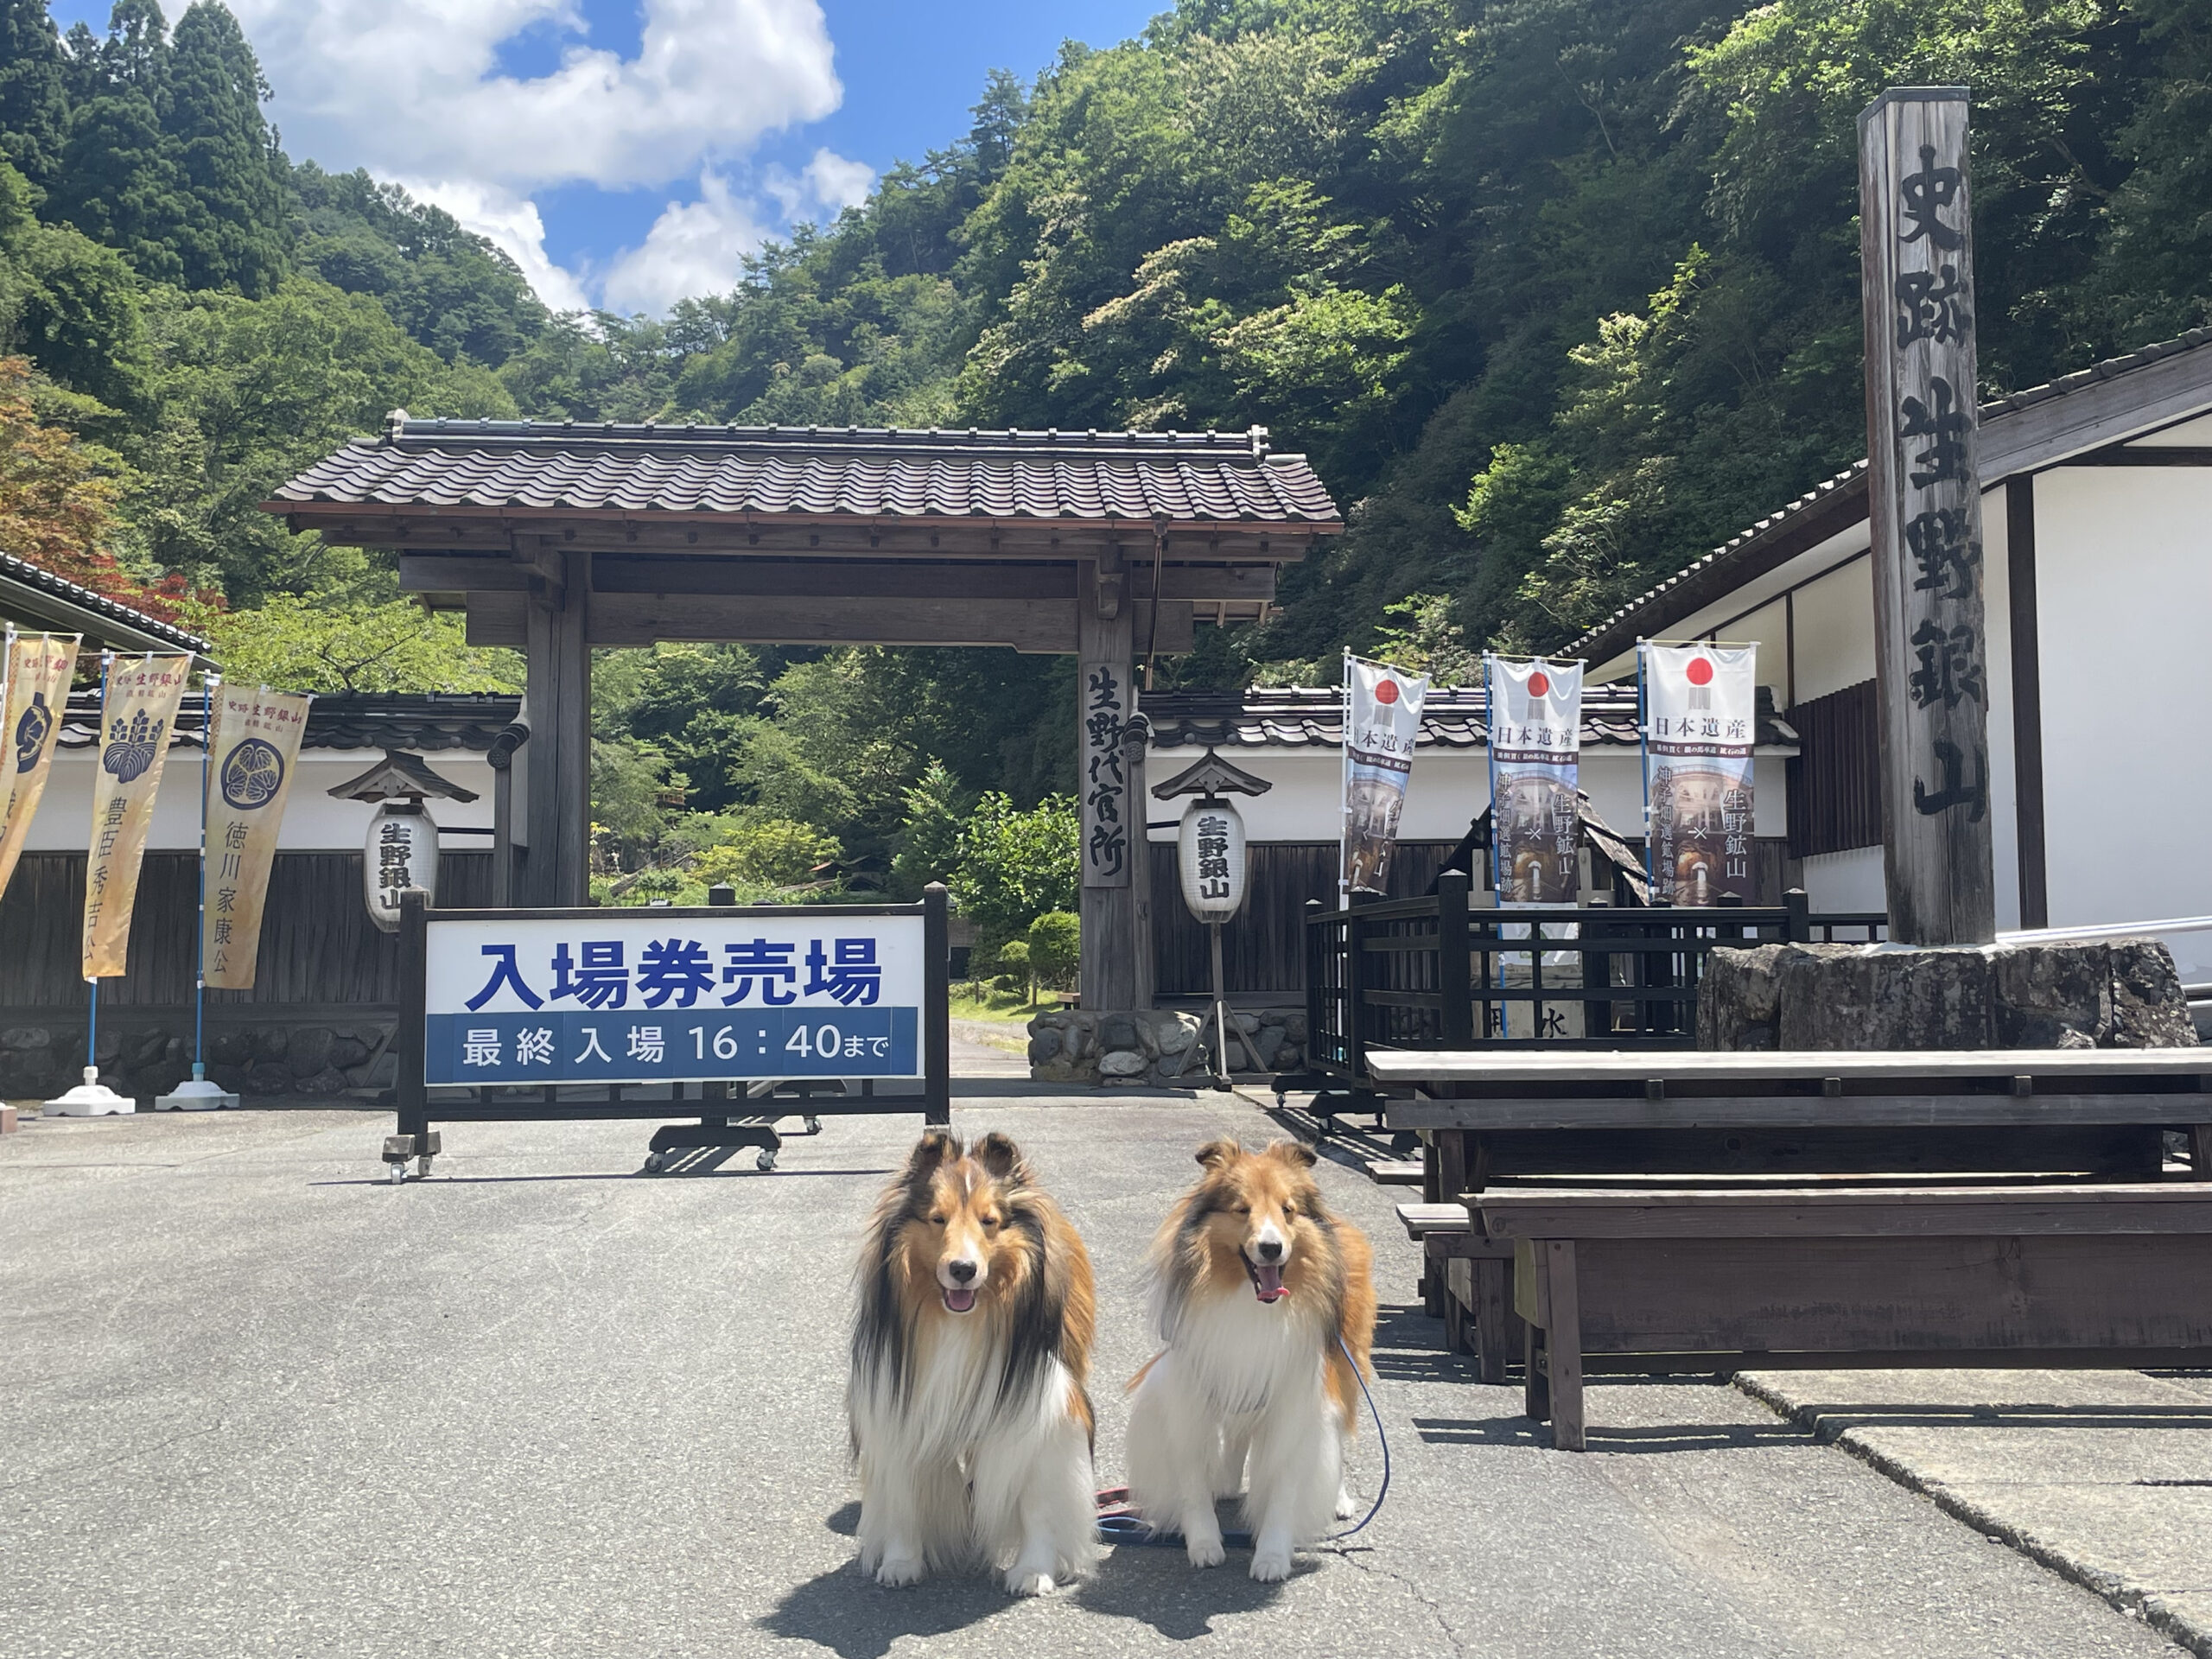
[1453,988]
[558,660]
[1355,985]
[936,1007]
[1797,923]
[410,1098]
[1112,823]
[1315,978]
[1924,496]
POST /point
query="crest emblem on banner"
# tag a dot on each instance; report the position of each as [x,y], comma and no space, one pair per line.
[253,772]
[30,732]
[131,747]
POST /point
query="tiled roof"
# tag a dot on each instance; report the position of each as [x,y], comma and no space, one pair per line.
[590,467]
[13,570]
[1452,717]
[1848,487]
[347,720]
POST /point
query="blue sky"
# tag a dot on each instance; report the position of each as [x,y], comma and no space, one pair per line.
[627,152]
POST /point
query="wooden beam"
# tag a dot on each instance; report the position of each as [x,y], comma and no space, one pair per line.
[461,573]
[2027,698]
[833,578]
[2146,454]
[644,618]
[498,619]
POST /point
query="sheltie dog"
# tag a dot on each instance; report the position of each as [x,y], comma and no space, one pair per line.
[971,1424]
[1254,1285]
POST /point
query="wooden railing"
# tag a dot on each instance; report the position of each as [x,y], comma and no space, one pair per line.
[1430,973]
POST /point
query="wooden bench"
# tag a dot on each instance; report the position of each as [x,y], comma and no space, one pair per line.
[1658,1281]
[1492,1116]
[1475,1275]
[1394,1171]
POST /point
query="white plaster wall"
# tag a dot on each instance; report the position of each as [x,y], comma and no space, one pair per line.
[1835,629]
[1852,880]
[312,821]
[1768,628]
[2124,593]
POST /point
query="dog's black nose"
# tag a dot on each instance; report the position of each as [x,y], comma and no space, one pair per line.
[962,1271]
[1270,1249]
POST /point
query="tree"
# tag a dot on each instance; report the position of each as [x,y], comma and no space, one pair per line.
[929,834]
[1015,866]
[234,236]
[303,644]
[34,93]
[58,513]
[1055,949]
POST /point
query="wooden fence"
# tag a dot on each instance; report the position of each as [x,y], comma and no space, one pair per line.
[320,953]
[1430,973]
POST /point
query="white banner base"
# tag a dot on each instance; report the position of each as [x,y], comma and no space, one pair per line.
[197,1095]
[90,1099]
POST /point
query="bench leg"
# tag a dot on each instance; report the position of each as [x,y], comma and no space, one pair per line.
[2200,1150]
[1535,1382]
[1564,1343]
[1455,1315]
[1493,1295]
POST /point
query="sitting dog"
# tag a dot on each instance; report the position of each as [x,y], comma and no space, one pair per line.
[971,1423]
[1254,1285]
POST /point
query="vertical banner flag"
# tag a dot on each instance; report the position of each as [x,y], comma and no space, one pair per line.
[137,713]
[1536,745]
[1381,723]
[256,740]
[1700,722]
[39,669]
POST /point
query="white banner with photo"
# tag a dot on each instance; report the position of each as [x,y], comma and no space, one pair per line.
[1701,724]
[1535,747]
[1381,726]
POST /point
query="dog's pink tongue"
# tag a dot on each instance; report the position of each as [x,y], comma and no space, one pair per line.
[1268,1279]
[960,1300]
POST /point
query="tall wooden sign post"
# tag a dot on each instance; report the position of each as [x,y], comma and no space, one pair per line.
[1917,262]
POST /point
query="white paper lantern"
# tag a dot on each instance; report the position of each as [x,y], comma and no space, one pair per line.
[401,852]
[1210,857]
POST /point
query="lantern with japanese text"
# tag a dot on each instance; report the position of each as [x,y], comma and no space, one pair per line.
[401,850]
[1210,857]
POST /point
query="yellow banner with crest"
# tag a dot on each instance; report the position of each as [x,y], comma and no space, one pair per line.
[39,667]
[137,714]
[256,743]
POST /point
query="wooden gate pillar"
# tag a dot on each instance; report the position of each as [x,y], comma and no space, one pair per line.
[1113,814]
[557,658]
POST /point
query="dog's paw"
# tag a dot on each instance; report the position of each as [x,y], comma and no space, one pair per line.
[1270,1566]
[900,1571]
[1028,1581]
[1346,1506]
[1206,1552]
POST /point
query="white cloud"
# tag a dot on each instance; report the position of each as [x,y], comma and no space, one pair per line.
[694,248]
[511,224]
[409,87]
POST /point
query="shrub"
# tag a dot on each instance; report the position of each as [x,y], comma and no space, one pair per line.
[1054,941]
[766,852]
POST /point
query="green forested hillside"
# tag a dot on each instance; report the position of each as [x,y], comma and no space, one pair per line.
[1557,293]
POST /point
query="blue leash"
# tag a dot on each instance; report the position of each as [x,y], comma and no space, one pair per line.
[1124,1526]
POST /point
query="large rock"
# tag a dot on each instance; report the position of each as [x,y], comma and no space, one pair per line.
[2053,993]
[2033,995]
[309,1052]
[1122,1062]
[2149,1007]
[1044,1045]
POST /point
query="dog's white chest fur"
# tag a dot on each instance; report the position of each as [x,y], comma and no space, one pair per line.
[1242,1353]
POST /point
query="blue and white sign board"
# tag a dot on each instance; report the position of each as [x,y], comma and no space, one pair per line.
[632,997]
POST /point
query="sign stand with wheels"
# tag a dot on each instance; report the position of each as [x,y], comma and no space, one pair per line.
[576,1014]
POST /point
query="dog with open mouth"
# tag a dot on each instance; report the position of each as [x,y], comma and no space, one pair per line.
[971,1423]
[1266,1304]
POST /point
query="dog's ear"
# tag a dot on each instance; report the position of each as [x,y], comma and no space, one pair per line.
[1295,1153]
[1217,1155]
[1002,1158]
[935,1147]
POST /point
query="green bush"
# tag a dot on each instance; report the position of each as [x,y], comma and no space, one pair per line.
[766,852]
[1053,949]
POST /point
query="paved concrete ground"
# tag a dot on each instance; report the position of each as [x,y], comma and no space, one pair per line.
[261,1403]
[2105,1476]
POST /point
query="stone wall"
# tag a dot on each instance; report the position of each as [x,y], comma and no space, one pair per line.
[261,1062]
[1076,1046]
[2120,994]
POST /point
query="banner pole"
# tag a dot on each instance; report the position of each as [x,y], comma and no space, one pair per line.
[209,683]
[1643,769]
[1344,796]
[92,1038]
